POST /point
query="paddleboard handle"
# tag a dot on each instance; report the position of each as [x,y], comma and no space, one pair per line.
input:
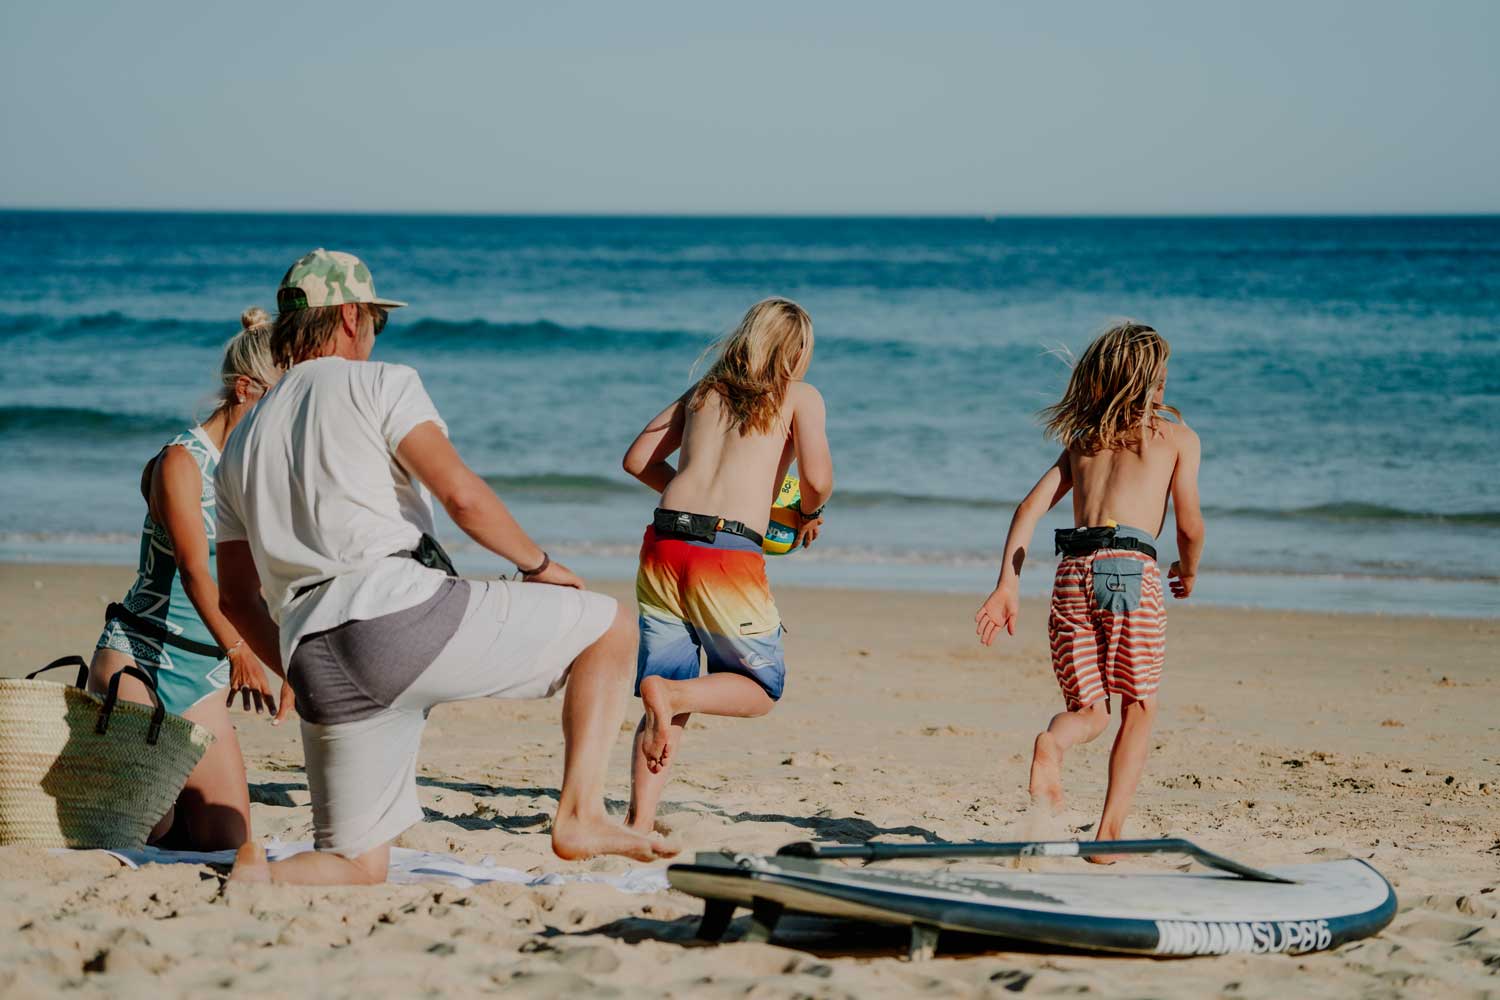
[870,851]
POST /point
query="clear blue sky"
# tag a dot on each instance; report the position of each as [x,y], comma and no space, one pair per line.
[781,107]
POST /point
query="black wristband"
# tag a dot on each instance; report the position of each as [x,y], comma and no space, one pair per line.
[814,515]
[546,561]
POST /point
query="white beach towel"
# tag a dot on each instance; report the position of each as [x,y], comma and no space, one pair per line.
[408,867]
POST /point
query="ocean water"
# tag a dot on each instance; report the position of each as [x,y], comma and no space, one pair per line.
[1344,375]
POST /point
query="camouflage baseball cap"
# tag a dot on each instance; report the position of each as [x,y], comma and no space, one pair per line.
[328,278]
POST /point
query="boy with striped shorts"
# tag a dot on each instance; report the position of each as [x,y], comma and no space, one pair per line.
[1122,460]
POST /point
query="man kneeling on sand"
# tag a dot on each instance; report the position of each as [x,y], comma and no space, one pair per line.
[323,508]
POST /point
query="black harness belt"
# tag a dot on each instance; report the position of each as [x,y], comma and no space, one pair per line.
[152,630]
[698,527]
[428,552]
[1082,541]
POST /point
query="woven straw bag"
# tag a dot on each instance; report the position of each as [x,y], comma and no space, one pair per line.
[77,770]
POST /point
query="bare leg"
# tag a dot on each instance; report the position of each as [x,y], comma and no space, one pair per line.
[212,812]
[594,706]
[732,695]
[1066,730]
[668,705]
[312,867]
[646,784]
[1127,759]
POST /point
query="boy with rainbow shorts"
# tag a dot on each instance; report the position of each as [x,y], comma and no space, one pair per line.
[710,596]
[702,585]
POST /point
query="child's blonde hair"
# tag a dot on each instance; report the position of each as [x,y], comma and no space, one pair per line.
[1108,402]
[771,347]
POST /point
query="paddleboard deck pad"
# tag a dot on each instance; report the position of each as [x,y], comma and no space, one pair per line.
[1312,907]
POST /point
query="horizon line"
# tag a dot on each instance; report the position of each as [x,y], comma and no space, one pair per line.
[913,216]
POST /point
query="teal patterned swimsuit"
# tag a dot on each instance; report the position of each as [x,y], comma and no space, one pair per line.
[182,678]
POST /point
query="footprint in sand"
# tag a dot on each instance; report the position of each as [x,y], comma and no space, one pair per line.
[1039,823]
[1428,926]
[1468,905]
[948,730]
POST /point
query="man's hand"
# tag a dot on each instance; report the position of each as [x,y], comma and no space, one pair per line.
[558,575]
[808,532]
[1000,610]
[1181,583]
[288,700]
[247,678]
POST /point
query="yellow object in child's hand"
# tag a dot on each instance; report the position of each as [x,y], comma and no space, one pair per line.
[781,535]
[790,493]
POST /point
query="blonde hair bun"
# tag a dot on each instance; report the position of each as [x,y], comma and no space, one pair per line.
[248,355]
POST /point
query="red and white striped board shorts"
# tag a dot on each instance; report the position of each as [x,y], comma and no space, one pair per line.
[1108,627]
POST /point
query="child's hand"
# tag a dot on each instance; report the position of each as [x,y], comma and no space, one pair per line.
[808,533]
[1000,610]
[1182,585]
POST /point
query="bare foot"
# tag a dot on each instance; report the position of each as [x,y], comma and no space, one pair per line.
[656,738]
[1106,833]
[654,826]
[1046,773]
[576,839]
[250,864]
[634,822]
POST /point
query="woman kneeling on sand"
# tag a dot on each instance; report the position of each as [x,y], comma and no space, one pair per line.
[169,624]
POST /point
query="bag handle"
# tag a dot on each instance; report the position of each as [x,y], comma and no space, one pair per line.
[153,732]
[66,661]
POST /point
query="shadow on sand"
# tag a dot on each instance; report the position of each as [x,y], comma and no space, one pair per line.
[276,793]
[820,936]
[829,829]
[824,937]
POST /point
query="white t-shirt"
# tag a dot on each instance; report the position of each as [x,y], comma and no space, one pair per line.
[310,479]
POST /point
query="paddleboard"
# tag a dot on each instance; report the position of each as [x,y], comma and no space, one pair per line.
[1308,907]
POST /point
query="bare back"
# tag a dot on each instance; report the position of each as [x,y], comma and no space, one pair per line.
[1129,485]
[723,472]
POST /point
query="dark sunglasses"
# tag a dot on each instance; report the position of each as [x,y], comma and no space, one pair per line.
[379,316]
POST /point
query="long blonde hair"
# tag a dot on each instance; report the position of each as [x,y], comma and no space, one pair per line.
[248,355]
[772,347]
[1108,401]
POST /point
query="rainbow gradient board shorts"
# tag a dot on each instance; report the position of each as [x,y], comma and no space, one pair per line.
[708,596]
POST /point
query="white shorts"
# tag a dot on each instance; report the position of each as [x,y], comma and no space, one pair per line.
[517,640]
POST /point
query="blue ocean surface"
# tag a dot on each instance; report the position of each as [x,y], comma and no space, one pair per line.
[1343,373]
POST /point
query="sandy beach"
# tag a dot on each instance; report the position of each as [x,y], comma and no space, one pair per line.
[1283,737]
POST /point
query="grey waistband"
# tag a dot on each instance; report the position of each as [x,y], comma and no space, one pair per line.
[1139,534]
